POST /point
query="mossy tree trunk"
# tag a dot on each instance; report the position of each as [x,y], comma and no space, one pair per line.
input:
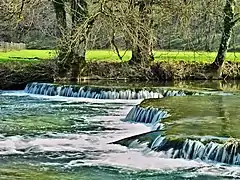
[60,13]
[142,45]
[72,47]
[78,50]
[229,23]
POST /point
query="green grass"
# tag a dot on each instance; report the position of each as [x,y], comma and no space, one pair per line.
[189,56]
[108,55]
[26,55]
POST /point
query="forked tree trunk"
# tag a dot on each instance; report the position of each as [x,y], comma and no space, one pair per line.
[142,46]
[229,23]
[73,45]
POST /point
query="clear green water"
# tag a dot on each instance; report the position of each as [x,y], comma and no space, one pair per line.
[68,138]
[216,116]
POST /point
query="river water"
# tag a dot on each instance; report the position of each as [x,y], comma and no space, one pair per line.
[45,137]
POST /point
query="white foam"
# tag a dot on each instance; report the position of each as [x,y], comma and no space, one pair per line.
[13,93]
[69,142]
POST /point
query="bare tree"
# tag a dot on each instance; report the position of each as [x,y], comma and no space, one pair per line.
[230,20]
[142,45]
[72,43]
[60,12]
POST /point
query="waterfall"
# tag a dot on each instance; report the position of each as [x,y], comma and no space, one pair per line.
[227,152]
[97,92]
[148,115]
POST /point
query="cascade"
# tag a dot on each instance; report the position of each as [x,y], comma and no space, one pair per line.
[149,115]
[98,92]
[206,145]
[227,152]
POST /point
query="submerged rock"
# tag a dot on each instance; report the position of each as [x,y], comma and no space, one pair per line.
[221,150]
[147,138]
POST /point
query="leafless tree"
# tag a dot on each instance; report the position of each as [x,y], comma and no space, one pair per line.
[231,17]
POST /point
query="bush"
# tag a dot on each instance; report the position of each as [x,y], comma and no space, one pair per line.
[41,45]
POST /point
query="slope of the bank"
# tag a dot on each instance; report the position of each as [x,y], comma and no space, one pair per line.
[16,75]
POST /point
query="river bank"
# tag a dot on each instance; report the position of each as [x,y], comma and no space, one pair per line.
[15,75]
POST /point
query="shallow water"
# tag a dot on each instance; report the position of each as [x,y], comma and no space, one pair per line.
[212,115]
[63,138]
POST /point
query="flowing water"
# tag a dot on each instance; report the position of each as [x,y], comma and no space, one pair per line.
[56,137]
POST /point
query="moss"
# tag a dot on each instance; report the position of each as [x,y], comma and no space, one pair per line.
[204,140]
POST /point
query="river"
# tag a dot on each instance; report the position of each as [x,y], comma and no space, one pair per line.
[54,137]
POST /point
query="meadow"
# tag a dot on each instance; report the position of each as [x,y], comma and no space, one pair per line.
[111,56]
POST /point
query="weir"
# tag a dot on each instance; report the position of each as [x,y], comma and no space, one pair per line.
[192,127]
[149,115]
[101,92]
[226,152]
[179,123]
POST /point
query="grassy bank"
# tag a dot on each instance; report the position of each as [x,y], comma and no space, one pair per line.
[110,56]
[26,55]
[17,68]
[16,75]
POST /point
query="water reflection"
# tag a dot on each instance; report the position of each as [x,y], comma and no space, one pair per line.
[224,116]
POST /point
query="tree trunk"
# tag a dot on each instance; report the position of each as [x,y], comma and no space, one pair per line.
[72,48]
[141,55]
[142,46]
[60,16]
[59,7]
[229,23]
[78,50]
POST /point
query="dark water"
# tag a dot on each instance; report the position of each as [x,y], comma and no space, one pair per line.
[68,138]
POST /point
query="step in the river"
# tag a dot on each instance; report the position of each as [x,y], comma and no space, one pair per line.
[208,149]
[103,92]
[149,115]
[200,115]
[191,127]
